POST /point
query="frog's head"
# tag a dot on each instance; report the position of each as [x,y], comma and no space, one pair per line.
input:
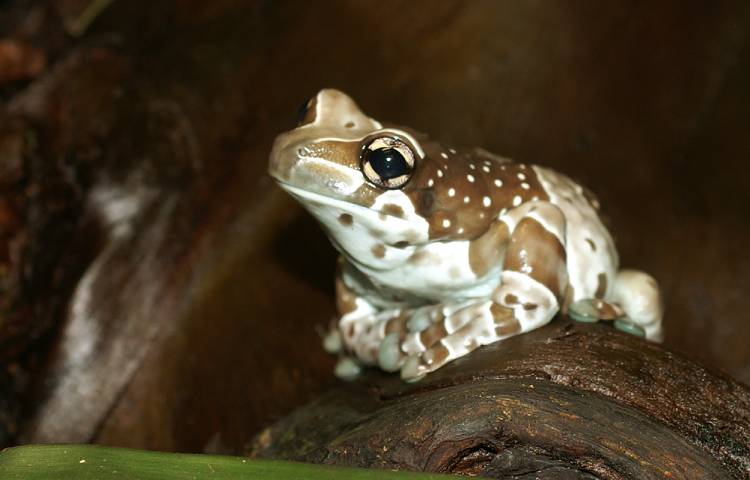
[378,190]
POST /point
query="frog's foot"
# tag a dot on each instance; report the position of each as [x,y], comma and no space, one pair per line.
[462,332]
[358,340]
[592,310]
[409,324]
[371,336]
[635,307]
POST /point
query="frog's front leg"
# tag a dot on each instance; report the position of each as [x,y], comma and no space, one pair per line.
[361,327]
[533,281]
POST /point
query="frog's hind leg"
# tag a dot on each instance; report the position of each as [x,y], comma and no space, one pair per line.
[532,282]
[480,323]
[638,294]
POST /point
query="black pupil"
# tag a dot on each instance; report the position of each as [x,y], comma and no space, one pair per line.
[388,163]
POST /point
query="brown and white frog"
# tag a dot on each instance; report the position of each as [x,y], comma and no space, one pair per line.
[446,249]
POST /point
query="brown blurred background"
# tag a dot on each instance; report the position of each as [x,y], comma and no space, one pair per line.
[166,294]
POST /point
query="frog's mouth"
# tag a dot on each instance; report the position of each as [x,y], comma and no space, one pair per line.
[315,199]
[343,218]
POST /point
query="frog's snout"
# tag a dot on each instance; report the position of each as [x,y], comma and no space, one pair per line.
[330,114]
[281,160]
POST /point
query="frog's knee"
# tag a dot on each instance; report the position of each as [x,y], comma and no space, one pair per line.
[639,295]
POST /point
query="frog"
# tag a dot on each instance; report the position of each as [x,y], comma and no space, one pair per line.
[445,249]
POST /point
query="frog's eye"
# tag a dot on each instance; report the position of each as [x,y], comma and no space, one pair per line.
[387,162]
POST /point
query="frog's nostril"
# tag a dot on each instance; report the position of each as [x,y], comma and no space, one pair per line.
[306,112]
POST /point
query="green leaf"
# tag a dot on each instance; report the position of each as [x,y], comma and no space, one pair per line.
[88,462]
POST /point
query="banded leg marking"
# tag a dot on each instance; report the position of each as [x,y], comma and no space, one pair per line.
[531,290]
[490,323]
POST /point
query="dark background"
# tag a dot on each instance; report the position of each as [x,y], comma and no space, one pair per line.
[197,326]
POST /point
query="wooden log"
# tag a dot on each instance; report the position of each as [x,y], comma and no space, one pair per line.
[567,401]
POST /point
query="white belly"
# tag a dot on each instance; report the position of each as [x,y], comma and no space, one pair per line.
[437,271]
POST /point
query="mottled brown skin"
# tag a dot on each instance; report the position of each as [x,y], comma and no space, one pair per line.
[538,253]
[393,210]
[378,250]
[345,219]
[602,288]
[432,334]
[483,250]
[506,324]
[468,220]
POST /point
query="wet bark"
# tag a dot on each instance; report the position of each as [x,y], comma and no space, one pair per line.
[567,401]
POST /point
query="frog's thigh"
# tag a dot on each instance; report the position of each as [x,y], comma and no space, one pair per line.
[535,273]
